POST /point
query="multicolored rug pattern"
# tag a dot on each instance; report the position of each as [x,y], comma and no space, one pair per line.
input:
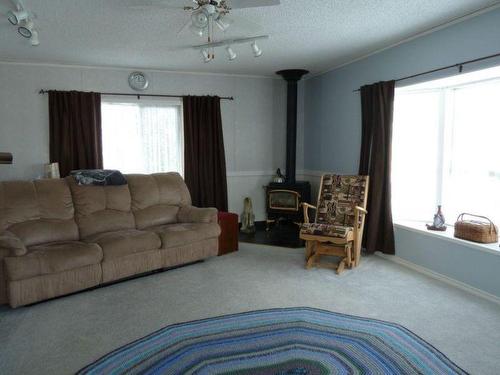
[288,341]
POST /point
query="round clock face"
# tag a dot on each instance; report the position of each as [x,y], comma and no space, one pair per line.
[138,81]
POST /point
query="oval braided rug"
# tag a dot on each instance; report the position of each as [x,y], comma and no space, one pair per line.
[288,341]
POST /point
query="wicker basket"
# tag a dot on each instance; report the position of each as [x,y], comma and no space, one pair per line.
[474,230]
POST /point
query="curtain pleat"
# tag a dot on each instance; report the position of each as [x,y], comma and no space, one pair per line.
[377,103]
[75,130]
[204,156]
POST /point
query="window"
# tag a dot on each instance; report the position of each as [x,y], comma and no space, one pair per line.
[446,147]
[142,136]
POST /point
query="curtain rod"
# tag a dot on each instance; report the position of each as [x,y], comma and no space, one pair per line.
[43,91]
[459,66]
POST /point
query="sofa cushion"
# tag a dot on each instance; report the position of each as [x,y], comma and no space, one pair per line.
[9,241]
[173,235]
[38,212]
[125,242]
[52,258]
[156,198]
[100,209]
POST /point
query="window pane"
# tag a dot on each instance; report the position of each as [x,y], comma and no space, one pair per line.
[143,137]
[472,176]
[416,152]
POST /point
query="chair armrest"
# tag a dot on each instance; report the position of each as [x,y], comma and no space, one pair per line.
[191,214]
[361,210]
[305,207]
[12,243]
[358,211]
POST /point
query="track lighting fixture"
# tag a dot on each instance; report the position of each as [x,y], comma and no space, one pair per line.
[16,16]
[23,19]
[207,50]
[257,52]
[231,55]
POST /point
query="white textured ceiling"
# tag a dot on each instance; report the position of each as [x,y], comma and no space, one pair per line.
[313,34]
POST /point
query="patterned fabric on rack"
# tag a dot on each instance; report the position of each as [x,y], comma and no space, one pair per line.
[326,230]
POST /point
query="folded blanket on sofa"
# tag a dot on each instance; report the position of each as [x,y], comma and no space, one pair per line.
[107,177]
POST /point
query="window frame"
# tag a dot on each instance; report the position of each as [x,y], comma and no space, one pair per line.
[445,130]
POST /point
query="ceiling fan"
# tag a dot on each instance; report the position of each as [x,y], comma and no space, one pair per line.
[205,15]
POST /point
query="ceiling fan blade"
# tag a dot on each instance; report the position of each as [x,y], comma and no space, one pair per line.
[184,27]
[149,4]
[240,4]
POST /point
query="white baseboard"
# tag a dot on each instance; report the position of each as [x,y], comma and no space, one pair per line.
[435,275]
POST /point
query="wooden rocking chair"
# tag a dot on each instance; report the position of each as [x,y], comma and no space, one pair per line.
[340,218]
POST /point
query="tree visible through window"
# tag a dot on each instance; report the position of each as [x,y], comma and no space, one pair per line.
[142,136]
[446,147]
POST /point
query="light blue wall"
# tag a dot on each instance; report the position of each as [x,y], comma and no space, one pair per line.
[466,264]
[332,129]
[333,111]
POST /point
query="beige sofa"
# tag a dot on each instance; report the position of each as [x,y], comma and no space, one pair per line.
[57,237]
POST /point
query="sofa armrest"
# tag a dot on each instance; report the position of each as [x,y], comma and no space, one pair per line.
[191,214]
[12,243]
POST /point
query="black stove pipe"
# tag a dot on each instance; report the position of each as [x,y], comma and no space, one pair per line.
[291,76]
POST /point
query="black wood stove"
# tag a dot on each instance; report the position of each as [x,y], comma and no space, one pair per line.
[284,200]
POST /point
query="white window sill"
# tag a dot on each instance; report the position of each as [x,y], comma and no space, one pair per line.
[419,227]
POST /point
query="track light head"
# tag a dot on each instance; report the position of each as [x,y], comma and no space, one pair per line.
[16,16]
[257,52]
[26,30]
[231,55]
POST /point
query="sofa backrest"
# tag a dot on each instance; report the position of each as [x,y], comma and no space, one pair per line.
[101,209]
[156,198]
[38,211]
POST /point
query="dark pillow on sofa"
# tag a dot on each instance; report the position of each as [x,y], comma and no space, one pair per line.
[101,177]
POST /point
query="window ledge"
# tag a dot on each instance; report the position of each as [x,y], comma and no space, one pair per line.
[419,227]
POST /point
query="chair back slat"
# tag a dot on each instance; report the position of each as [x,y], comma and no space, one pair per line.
[338,195]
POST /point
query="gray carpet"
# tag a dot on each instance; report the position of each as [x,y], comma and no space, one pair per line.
[63,335]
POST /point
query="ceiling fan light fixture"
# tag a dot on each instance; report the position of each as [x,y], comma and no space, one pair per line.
[199,19]
[231,55]
[16,16]
[26,30]
[257,52]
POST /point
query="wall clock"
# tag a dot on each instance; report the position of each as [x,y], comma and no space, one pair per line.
[138,81]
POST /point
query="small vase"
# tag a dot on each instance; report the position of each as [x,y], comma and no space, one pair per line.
[439,222]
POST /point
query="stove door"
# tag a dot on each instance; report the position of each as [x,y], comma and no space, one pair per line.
[283,200]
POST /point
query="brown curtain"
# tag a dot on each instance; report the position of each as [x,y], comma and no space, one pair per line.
[75,130]
[377,104]
[204,157]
